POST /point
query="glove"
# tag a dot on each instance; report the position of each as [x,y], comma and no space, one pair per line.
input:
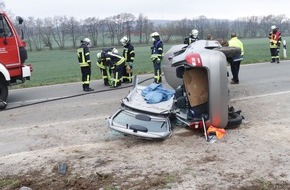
[158,60]
[128,69]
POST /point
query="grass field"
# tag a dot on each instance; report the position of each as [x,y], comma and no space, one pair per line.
[61,66]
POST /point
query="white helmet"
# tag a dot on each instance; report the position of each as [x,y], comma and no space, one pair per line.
[124,41]
[99,55]
[194,32]
[87,40]
[273,27]
[114,50]
[154,34]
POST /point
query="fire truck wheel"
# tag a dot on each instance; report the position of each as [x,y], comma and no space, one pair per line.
[3,90]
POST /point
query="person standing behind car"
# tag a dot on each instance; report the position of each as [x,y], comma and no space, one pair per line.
[193,36]
[83,54]
[236,62]
[156,56]
[129,55]
[275,41]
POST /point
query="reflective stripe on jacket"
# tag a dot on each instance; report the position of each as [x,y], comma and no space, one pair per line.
[275,39]
[157,50]
[83,54]
[129,53]
[114,59]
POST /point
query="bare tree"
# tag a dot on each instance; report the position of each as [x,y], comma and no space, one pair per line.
[184,26]
[60,30]
[266,23]
[92,27]
[2,5]
[47,33]
[148,27]
[28,28]
[282,24]
[252,25]
[103,28]
[167,31]
[123,24]
[34,33]
[112,28]
[219,29]
[140,26]
[202,24]
[74,30]
[128,21]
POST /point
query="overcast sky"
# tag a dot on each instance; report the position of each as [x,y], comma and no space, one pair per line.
[153,9]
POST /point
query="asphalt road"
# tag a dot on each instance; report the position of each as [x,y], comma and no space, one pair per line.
[58,106]
[255,79]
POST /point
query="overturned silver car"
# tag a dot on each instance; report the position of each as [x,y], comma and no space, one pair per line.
[198,75]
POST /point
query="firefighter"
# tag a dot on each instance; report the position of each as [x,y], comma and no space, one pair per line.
[104,68]
[83,54]
[116,63]
[275,41]
[129,55]
[156,56]
[193,36]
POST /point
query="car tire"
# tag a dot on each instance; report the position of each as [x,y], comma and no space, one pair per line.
[230,52]
[3,90]
[234,121]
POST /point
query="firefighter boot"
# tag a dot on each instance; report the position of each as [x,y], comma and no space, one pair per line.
[277,60]
[273,60]
[106,82]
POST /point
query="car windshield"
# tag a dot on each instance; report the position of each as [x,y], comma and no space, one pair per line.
[152,124]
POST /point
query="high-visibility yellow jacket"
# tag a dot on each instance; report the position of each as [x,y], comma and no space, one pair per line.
[275,39]
[235,42]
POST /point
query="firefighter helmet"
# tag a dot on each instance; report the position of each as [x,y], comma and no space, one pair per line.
[273,27]
[194,33]
[87,40]
[114,50]
[154,34]
[99,55]
[125,40]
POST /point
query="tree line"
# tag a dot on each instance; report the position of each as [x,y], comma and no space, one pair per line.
[66,32]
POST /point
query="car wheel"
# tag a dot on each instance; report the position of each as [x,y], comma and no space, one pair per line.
[230,52]
[234,120]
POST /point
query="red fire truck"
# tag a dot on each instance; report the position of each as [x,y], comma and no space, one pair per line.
[12,56]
